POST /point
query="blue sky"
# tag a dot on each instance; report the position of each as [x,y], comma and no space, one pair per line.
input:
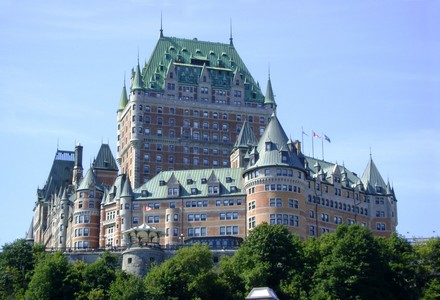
[365,73]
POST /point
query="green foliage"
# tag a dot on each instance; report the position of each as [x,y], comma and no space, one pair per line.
[349,263]
[187,275]
[401,271]
[351,266]
[127,286]
[17,262]
[48,279]
[92,281]
[270,256]
[428,255]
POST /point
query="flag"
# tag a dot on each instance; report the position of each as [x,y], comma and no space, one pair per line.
[316,136]
[147,208]
[303,132]
[327,138]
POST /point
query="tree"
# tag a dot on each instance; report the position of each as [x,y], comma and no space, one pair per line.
[16,266]
[48,280]
[270,256]
[428,255]
[92,281]
[127,286]
[351,266]
[187,275]
[401,260]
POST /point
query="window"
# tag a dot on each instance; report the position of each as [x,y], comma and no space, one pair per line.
[135,220]
[380,226]
[252,222]
[311,214]
[293,203]
[251,205]
[380,214]
[312,230]
[276,202]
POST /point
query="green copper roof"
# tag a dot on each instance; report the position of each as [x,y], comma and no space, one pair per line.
[272,146]
[105,159]
[229,181]
[124,99]
[126,189]
[89,181]
[246,137]
[137,80]
[372,179]
[270,98]
[189,57]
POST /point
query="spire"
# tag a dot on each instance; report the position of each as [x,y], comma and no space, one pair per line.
[124,99]
[231,43]
[137,80]
[246,137]
[372,180]
[161,30]
[269,99]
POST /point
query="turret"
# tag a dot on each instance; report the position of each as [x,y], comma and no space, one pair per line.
[269,99]
[78,168]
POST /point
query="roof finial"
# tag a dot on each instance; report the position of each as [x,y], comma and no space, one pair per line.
[230,33]
[268,69]
[371,156]
[161,30]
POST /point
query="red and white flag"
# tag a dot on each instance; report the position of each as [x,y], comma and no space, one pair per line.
[316,136]
[147,208]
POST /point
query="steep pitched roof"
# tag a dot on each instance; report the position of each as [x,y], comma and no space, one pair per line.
[190,56]
[60,174]
[272,146]
[126,189]
[124,99]
[246,137]
[270,97]
[104,159]
[229,180]
[89,181]
[372,179]
[137,80]
[30,232]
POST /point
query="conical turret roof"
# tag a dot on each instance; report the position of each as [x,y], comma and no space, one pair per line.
[246,137]
[272,147]
[269,99]
[124,99]
[137,80]
[88,181]
[372,179]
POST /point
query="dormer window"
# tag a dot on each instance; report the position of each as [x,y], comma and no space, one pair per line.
[173,191]
[193,191]
[378,189]
[161,182]
[213,189]
[144,193]
[204,180]
[189,181]
[284,156]
[233,189]
[268,146]
[228,179]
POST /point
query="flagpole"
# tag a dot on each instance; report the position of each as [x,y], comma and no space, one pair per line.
[322,142]
[302,139]
[313,147]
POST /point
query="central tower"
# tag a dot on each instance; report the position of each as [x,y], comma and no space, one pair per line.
[185,107]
